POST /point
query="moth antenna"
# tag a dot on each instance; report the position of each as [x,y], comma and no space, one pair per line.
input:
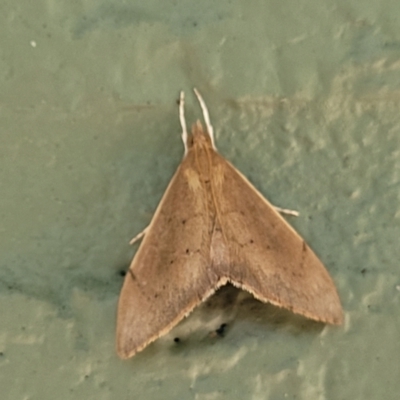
[182,120]
[206,117]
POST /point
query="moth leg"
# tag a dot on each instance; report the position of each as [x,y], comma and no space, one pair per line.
[206,117]
[139,235]
[287,211]
[182,120]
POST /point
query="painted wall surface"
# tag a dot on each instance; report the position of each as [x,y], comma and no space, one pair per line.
[304,97]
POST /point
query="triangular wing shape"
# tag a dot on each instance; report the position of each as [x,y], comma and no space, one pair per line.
[212,226]
[267,257]
[170,272]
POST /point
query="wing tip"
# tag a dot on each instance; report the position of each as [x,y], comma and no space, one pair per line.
[126,351]
[331,314]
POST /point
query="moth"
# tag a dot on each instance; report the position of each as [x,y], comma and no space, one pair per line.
[213,227]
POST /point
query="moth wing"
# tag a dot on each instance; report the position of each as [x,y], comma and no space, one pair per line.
[168,276]
[267,257]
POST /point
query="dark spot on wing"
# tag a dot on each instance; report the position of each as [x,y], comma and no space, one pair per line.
[303,254]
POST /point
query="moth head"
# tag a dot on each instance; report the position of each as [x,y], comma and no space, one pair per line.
[199,137]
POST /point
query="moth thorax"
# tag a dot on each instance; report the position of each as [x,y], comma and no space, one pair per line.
[199,136]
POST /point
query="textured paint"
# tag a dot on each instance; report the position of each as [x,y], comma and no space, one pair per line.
[305,101]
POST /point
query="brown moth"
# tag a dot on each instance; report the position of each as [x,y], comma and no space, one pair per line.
[213,227]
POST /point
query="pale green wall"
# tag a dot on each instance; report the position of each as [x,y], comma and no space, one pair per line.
[304,97]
